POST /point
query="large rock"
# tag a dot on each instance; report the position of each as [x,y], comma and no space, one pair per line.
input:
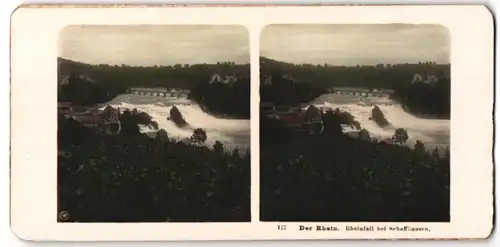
[176,117]
[379,117]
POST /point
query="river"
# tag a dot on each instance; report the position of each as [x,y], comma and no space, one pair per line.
[236,132]
[233,133]
[432,132]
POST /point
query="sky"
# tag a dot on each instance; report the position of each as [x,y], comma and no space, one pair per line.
[146,45]
[354,44]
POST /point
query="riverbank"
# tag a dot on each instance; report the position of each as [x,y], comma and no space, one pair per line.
[419,115]
[233,133]
[425,116]
[224,116]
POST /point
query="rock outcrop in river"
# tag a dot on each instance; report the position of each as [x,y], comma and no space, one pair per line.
[379,117]
[176,117]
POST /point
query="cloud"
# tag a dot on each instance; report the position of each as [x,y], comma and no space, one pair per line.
[154,45]
[356,44]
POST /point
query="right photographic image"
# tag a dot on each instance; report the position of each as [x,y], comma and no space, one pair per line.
[355,123]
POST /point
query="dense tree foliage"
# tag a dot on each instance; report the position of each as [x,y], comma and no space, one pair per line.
[387,76]
[199,136]
[334,177]
[175,76]
[130,121]
[219,98]
[130,177]
[344,117]
[432,99]
[401,136]
[224,99]
[284,91]
[82,92]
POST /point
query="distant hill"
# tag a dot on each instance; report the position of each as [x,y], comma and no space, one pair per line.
[178,76]
[67,67]
[281,85]
[271,62]
[378,76]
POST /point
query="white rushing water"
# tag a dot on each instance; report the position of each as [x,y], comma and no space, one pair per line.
[236,132]
[231,132]
[432,132]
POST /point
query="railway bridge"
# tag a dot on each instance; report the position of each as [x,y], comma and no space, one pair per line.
[364,92]
[160,92]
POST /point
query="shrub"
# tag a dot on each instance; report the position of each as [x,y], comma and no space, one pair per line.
[199,136]
[400,136]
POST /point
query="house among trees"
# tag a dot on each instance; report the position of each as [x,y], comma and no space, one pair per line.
[66,80]
[428,79]
[216,78]
[290,78]
[106,121]
[267,107]
[309,120]
[291,119]
[268,80]
[65,108]
[88,120]
[230,79]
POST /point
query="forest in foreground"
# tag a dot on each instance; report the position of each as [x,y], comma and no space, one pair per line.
[335,177]
[131,177]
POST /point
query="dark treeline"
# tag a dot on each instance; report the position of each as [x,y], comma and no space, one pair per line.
[284,91]
[227,99]
[130,177]
[419,98]
[335,177]
[183,76]
[426,99]
[82,92]
[386,76]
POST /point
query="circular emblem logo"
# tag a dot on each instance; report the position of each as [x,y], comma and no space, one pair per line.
[63,215]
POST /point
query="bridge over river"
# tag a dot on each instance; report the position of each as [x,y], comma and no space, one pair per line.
[160,92]
[365,92]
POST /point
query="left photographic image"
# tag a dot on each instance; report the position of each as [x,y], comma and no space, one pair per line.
[153,124]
